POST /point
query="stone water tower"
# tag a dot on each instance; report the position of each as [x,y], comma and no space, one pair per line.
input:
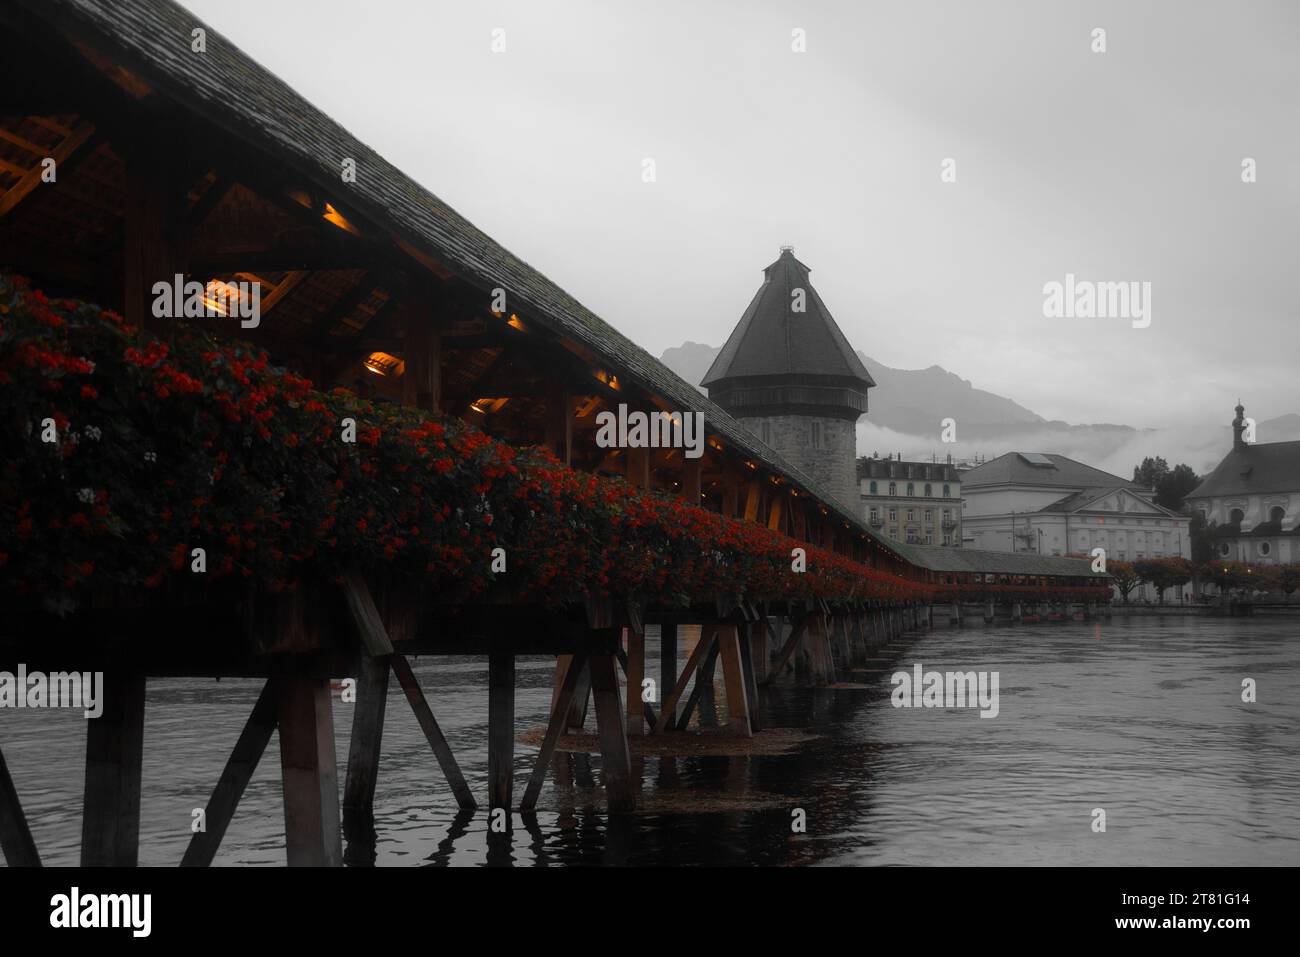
[790,376]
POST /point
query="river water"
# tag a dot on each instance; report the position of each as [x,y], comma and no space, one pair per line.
[1140,717]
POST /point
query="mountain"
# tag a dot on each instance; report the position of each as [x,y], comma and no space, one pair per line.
[913,401]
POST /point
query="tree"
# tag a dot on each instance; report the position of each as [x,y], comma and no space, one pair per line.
[1123,577]
[1164,573]
[1288,579]
[1151,472]
[1228,575]
[1172,486]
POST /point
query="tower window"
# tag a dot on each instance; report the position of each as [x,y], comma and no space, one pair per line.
[893,488]
[911,489]
[873,488]
[928,490]
[947,492]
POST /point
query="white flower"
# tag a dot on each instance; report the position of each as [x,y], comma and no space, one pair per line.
[87,495]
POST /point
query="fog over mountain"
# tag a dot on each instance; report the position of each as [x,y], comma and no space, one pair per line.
[908,406]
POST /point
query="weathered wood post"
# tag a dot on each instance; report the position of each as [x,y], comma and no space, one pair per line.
[110,825]
[615,762]
[734,680]
[635,676]
[308,774]
[364,749]
[667,667]
[501,729]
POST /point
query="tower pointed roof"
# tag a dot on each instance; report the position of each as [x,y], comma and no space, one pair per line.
[773,339]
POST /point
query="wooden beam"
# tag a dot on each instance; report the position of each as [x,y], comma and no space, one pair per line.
[308,773]
[616,765]
[501,728]
[15,836]
[238,771]
[110,825]
[364,748]
[638,467]
[432,733]
[554,728]
[361,605]
[667,719]
[690,488]
[775,511]
[32,178]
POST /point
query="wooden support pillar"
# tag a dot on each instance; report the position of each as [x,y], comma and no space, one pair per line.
[730,499]
[15,836]
[110,825]
[753,498]
[307,770]
[154,220]
[559,422]
[364,748]
[422,381]
[432,733]
[501,728]
[615,762]
[703,681]
[635,675]
[577,716]
[690,488]
[234,779]
[733,678]
[667,667]
[800,626]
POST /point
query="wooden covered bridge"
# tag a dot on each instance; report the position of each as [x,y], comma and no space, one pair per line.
[470,512]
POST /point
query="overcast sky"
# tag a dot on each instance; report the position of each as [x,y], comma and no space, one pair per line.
[1115,166]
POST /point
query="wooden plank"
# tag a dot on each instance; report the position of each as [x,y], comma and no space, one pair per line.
[110,826]
[156,218]
[501,729]
[432,733]
[616,765]
[235,776]
[638,467]
[32,178]
[759,650]
[15,836]
[554,728]
[733,681]
[667,719]
[361,605]
[364,749]
[312,836]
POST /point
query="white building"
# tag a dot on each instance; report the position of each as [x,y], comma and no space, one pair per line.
[1053,505]
[1251,501]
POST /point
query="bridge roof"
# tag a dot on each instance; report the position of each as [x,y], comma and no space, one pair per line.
[941,559]
[236,94]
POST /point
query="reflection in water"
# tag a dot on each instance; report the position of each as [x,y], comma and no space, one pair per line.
[1145,721]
